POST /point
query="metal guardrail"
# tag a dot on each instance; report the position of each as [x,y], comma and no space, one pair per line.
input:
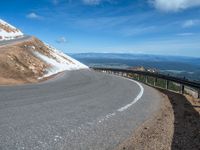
[182,81]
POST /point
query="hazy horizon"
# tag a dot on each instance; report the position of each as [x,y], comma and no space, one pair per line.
[132,53]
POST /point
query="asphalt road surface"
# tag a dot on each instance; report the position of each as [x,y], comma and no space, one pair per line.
[21,39]
[78,110]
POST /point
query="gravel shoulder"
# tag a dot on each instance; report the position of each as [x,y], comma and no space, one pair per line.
[175,126]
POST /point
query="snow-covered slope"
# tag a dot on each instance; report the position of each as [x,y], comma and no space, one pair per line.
[8,32]
[58,61]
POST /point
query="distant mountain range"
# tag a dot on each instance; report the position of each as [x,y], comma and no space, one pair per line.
[188,67]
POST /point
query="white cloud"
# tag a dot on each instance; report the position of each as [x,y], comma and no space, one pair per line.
[92,2]
[33,15]
[137,30]
[174,5]
[61,40]
[97,2]
[190,23]
[185,34]
[55,2]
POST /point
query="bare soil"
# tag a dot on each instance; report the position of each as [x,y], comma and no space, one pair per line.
[19,65]
[7,28]
[176,126]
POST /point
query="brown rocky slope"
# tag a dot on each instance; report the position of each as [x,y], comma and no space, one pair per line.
[19,64]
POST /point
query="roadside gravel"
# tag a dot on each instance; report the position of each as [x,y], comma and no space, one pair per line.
[175,126]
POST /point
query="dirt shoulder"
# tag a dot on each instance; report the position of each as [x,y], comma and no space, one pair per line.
[175,126]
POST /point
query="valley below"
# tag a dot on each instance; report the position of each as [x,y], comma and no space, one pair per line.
[179,66]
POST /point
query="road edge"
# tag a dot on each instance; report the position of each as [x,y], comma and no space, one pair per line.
[154,133]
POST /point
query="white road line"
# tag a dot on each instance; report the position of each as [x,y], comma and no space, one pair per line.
[136,99]
[139,96]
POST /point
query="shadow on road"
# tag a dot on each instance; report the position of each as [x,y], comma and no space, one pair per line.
[186,125]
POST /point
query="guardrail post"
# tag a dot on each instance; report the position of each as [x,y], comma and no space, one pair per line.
[155,80]
[167,84]
[182,88]
[138,74]
[146,79]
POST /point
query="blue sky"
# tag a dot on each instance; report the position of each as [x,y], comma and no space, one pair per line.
[165,27]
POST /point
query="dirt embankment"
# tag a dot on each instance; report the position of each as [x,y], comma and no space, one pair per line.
[19,65]
[175,127]
[7,28]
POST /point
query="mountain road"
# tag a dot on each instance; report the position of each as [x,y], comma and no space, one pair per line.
[77,110]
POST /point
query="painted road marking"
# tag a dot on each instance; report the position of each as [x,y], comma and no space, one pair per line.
[139,96]
[136,99]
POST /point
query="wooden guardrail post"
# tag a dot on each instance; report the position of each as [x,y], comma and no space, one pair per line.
[167,84]
[139,74]
[146,79]
[155,80]
[182,88]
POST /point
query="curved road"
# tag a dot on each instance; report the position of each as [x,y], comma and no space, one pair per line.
[78,110]
[14,41]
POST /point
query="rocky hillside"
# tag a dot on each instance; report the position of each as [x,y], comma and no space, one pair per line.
[31,61]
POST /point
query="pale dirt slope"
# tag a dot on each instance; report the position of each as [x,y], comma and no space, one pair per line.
[29,61]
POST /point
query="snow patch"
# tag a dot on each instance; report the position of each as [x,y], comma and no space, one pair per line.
[58,62]
[9,35]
